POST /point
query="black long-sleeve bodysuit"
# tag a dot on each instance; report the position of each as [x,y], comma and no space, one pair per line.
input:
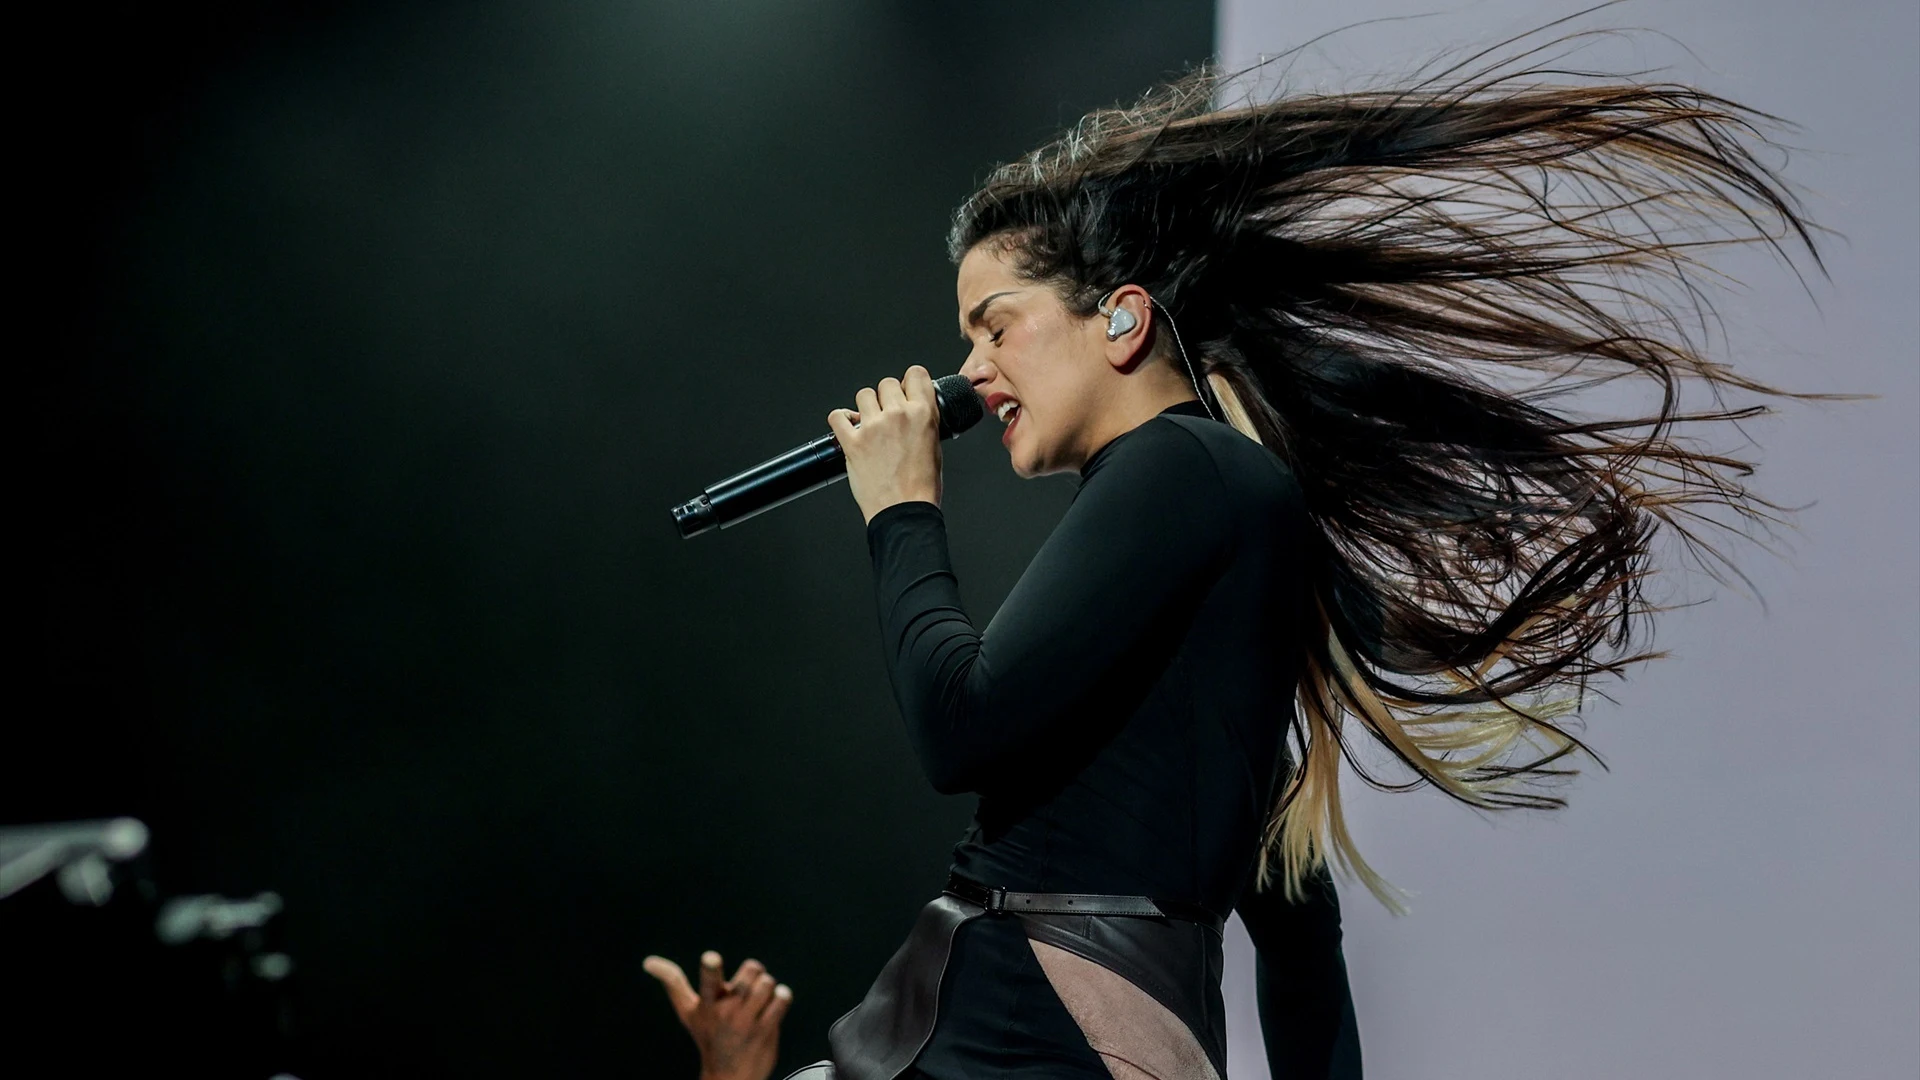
[1121,719]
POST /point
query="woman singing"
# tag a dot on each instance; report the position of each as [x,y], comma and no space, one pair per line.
[1305,358]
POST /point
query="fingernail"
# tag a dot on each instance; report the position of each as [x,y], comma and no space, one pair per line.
[710,958]
[781,991]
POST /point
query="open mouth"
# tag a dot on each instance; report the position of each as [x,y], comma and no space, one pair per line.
[1009,414]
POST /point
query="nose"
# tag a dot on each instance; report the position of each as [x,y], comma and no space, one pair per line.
[977,369]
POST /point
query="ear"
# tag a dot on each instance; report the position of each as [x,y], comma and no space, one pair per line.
[1128,311]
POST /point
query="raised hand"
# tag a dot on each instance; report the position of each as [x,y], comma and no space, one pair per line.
[735,1022]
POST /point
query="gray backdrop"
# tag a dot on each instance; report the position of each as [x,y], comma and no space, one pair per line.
[1740,895]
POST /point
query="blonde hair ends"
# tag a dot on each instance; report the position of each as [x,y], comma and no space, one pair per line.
[1308,824]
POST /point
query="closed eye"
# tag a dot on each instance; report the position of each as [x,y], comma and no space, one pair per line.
[995,338]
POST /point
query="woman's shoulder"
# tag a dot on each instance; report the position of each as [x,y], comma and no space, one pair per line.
[1206,449]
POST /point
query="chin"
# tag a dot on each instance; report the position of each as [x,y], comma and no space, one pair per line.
[1028,457]
[1028,465]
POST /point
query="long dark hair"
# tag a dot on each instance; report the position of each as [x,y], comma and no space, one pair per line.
[1388,289]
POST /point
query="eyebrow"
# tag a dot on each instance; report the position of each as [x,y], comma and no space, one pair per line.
[979,309]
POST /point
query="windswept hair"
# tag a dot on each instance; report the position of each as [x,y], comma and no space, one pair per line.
[1389,289]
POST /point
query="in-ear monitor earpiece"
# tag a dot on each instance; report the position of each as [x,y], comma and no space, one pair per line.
[1120,320]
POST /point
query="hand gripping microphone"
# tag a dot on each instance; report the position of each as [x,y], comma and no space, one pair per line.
[808,467]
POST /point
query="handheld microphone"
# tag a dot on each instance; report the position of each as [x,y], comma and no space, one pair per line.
[808,467]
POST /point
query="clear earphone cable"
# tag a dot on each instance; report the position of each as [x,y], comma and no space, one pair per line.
[1184,360]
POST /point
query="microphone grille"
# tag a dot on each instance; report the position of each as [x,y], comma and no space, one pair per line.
[960,406]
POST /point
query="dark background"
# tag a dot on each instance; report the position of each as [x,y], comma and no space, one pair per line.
[373,344]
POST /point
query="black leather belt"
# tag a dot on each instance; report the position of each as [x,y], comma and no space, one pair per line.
[1007,902]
